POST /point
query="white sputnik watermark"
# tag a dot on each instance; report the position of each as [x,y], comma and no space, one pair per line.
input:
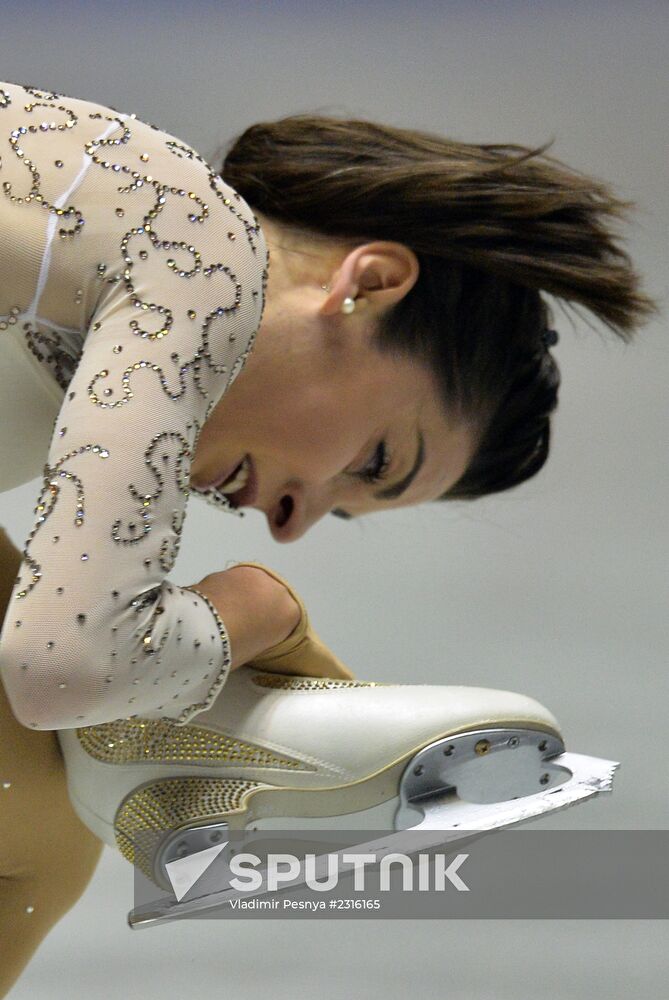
[321,872]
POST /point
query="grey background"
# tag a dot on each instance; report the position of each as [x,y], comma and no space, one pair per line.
[557,589]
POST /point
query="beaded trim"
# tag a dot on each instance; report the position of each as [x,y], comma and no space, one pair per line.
[293,683]
[222,676]
[217,500]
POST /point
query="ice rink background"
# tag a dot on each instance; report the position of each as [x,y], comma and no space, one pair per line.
[557,589]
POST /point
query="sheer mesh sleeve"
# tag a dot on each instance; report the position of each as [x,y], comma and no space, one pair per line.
[163,268]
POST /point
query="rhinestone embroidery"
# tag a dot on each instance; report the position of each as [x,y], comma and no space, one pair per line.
[147,814]
[127,741]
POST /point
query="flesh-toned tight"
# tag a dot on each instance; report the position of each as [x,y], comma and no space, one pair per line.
[47,855]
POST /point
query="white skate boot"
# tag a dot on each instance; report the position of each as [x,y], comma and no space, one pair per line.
[280,751]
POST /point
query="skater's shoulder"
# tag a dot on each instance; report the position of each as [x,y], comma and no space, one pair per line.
[108,132]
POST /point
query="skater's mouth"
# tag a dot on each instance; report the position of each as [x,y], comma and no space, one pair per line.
[241,485]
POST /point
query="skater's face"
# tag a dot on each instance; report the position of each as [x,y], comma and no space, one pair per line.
[316,405]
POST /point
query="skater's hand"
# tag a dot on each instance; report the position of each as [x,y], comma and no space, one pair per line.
[302,652]
[258,612]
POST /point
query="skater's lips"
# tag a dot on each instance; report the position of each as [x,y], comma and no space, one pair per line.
[213,483]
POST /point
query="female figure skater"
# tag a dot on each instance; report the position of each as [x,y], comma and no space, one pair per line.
[348,319]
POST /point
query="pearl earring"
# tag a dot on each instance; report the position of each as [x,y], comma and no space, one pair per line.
[348,305]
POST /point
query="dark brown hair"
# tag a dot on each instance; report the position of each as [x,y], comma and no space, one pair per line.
[492,226]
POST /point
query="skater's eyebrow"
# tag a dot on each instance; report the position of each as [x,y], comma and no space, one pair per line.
[395,491]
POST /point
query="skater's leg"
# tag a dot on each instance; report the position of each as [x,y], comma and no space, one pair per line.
[47,856]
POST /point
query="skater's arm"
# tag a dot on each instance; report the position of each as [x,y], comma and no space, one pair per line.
[95,629]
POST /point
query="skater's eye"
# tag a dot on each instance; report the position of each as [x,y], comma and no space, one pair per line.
[397,489]
[377,469]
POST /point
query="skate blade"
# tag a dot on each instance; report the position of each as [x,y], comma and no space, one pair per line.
[446,818]
[587,777]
